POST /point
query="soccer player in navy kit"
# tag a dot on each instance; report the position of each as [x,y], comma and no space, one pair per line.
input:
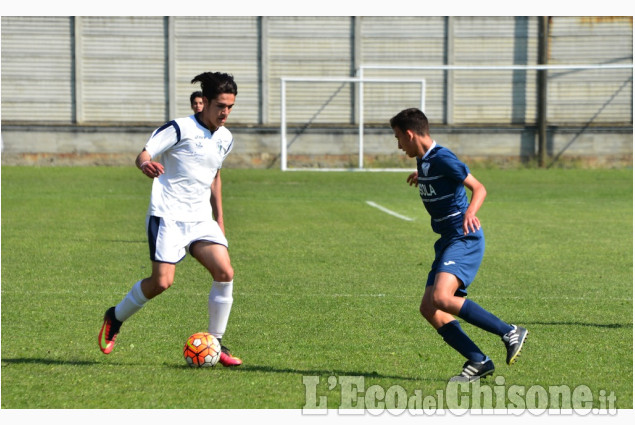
[442,179]
[186,211]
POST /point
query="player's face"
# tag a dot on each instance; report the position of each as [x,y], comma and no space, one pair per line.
[405,142]
[197,104]
[215,112]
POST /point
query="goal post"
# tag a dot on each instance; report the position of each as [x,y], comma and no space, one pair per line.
[360,109]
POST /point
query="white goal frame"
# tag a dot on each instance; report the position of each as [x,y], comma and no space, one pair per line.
[360,79]
[360,110]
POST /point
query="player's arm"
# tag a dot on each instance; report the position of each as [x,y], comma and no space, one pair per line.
[217,200]
[471,223]
[147,166]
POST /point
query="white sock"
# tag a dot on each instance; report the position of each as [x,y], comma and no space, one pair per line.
[220,304]
[131,303]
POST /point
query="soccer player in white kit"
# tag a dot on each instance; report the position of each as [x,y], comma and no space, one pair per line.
[186,211]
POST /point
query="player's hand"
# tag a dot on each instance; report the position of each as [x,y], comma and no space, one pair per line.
[471,224]
[152,169]
[412,179]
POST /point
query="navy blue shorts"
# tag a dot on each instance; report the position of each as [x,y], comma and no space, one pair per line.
[460,255]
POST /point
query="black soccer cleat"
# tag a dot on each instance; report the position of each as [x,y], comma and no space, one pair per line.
[514,341]
[473,371]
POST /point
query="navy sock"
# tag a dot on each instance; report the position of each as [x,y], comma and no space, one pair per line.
[454,336]
[476,315]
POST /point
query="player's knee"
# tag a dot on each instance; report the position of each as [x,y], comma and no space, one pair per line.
[161,284]
[164,285]
[226,274]
[441,302]
[426,310]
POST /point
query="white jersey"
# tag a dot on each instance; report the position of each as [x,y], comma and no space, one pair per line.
[191,156]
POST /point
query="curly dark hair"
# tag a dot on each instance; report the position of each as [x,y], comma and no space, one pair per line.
[215,83]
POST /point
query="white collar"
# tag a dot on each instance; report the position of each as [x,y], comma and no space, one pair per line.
[434,145]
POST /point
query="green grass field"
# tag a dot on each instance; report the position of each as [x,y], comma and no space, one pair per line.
[325,286]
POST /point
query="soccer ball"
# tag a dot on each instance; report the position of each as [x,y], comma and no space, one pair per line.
[201,350]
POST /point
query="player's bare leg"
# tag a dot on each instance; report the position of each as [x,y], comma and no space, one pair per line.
[215,258]
[443,295]
[161,279]
[436,317]
[144,290]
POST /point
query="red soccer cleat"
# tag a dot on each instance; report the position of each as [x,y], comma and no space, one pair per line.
[108,332]
[226,358]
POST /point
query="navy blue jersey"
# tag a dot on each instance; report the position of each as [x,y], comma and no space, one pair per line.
[440,178]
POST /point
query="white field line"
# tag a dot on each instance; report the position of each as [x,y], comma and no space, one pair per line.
[387,211]
[410,296]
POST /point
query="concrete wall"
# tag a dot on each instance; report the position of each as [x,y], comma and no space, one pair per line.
[325,147]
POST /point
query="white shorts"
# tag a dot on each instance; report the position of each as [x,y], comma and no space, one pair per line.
[170,240]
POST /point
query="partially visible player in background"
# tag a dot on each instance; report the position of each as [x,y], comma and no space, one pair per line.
[186,210]
[442,179]
[196,101]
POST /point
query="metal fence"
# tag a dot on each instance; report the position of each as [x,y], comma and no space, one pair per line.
[122,70]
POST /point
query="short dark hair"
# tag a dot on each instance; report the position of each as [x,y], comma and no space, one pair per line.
[195,95]
[411,119]
[215,83]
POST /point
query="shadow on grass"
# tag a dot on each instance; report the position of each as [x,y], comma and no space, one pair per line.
[317,372]
[50,362]
[137,241]
[592,325]
[243,368]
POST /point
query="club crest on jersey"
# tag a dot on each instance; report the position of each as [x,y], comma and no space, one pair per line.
[425,167]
